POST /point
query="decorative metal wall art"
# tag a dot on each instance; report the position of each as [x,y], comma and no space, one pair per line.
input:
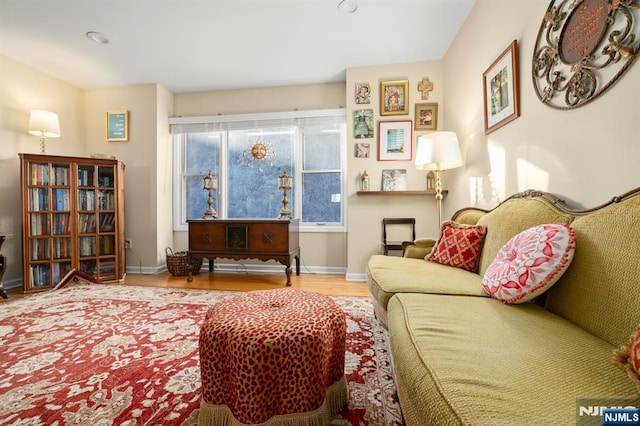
[259,153]
[583,47]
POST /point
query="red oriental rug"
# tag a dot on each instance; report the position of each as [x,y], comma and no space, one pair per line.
[112,354]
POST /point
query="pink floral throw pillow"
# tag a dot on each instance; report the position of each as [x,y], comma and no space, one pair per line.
[628,357]
[458,246]
[530,263]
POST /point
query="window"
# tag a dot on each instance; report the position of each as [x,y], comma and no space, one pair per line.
[248,153]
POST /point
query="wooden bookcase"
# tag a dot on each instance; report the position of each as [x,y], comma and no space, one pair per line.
[72,218]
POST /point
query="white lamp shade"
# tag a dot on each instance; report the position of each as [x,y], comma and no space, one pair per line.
[438,151]
[44,123]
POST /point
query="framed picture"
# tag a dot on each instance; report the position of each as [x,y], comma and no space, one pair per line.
[362,150]
[426,116]
[363,93]
[394,180]
[394,140]
[117,125]
[500,88]
[394,97]
[363,123]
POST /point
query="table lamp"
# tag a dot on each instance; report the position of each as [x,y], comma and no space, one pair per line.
[210,183]
[438,151]
[44,124]
[285,183]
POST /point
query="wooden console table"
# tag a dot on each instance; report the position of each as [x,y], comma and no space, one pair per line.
[264,239]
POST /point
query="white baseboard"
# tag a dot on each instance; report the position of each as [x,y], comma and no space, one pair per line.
[242,267]
[228,267]
[11,284]
[356,277]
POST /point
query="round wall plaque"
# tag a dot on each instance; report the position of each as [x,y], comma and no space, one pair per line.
[583,47]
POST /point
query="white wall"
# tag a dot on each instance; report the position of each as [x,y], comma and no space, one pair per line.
[22,89]
[319,251]
[142,154]
[587,155]
[366,211]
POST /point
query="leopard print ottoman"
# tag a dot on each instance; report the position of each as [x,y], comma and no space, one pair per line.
[273,357]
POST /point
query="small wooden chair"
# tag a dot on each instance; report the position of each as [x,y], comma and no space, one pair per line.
[395,245]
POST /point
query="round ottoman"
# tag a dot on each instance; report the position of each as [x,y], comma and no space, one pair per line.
[274,357]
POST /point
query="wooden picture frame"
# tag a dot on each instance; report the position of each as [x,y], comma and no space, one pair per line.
[426,117]
[501,90]
[394,97]
[395,140]
[117,126]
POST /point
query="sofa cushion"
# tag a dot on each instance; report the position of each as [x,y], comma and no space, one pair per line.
[458,246]
[628,357]
[474,360]
[530,263]
[600,291]
[512,217]
[388,275]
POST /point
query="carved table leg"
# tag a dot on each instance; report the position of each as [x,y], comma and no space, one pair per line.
[288,272]
[3,265]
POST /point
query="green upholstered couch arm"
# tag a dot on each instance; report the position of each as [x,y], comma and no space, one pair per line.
[420,248]
[423,246]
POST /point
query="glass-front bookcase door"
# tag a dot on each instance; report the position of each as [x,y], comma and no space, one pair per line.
[49,223]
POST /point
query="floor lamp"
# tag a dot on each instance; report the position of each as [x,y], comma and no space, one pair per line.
[438,151]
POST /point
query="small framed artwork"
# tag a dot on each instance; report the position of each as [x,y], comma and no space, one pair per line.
[394,97]
[363,123]
[500,89]
[426,116]
[117,126]
[394,140]
[362,150]
[394,180]
[363,93]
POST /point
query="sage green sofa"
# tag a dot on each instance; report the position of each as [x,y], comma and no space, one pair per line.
[461,357]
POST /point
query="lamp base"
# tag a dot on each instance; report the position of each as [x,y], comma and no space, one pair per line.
[210,214]
[285,213]
[439,197]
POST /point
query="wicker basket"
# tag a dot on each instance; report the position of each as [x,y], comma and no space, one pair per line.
[177,263]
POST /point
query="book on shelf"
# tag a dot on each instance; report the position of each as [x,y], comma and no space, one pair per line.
[39,174]
[60,175]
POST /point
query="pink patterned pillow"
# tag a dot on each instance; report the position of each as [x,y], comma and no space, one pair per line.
[530,263]
[459,246]
[628,357]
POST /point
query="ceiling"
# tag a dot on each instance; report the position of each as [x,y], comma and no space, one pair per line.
[202,45]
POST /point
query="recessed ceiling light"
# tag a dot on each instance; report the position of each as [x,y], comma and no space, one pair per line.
[97,37]
[347,6]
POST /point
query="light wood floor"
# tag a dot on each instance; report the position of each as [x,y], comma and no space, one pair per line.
[240,281]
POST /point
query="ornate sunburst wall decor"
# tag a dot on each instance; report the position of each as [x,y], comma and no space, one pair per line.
[583,47]
[259,153]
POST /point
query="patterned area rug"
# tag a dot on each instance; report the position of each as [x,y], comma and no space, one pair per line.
[102,355]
